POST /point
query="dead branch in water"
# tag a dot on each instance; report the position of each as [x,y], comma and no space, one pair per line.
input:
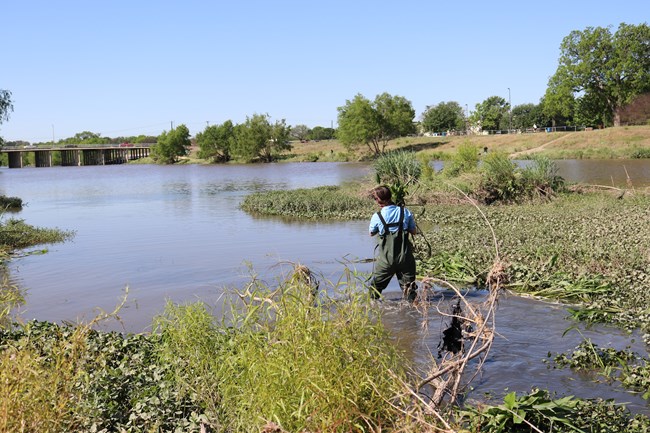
[468,339]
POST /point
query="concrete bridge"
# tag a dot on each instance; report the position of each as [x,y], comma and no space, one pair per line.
[77,156]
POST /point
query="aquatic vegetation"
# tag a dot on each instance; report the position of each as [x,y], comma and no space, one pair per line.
[10,203]
[624,366]
[16,235]
[592,250]
[332,202]
[538,411]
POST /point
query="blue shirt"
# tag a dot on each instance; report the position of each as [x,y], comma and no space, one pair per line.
[391,215]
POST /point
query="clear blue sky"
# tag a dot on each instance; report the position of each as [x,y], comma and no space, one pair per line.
[130,67]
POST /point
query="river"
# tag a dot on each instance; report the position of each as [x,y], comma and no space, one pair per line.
[177,233]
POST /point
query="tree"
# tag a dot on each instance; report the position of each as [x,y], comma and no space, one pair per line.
[606,70]
[491,114]
[373,124]
[524,116]
[6,105]
[300,132]
[216,141]
[258,138]
[171,145]
[443,117]
[321,133]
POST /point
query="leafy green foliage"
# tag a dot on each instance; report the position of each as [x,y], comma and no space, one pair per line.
[65,378]
[538,411]
[630,369]
[216,141]
[283,356]
[490,114]
[502,181]
[257,138]
[373,124]
[602,71]
[525,116]
[445,116]
[464,160]
[6,105]
[300,362]
[171,145]
[398,170]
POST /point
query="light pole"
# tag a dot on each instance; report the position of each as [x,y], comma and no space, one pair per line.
[509,113]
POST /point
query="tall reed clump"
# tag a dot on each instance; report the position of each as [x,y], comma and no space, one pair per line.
[287,360]
[464,160]
[399,170]
[10,297]
[503,181]
[37,384]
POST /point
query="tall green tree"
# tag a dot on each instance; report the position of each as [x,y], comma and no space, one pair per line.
[525,116]
[300,132]
[491,114]
[257,138]
[6,107]
[321,133]
[171,145]
[373,124]
[216,141]
[606,70]
[443,117]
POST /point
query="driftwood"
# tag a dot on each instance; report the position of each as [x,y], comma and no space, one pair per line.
[467,341]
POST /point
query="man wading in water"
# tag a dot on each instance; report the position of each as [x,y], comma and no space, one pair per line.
[393,224]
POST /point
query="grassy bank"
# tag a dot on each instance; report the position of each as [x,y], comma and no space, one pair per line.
[621,142]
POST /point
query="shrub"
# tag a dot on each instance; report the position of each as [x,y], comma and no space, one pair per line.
[289,359]
[398,167]
[464,160]
[640,153]
[500,179]
[10,203]
[540,179]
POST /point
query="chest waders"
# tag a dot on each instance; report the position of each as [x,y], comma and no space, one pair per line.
[395,257]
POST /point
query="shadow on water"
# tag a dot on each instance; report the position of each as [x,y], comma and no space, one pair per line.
[527,331]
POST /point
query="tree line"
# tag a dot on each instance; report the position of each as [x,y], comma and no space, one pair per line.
[602,79]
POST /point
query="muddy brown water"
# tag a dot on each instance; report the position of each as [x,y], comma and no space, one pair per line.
[176,233]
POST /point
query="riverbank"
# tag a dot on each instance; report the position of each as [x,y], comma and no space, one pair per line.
[609,143]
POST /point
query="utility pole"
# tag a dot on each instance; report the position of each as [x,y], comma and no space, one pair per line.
[509,113]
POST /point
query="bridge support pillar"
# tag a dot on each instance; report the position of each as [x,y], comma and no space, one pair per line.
[15,160]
